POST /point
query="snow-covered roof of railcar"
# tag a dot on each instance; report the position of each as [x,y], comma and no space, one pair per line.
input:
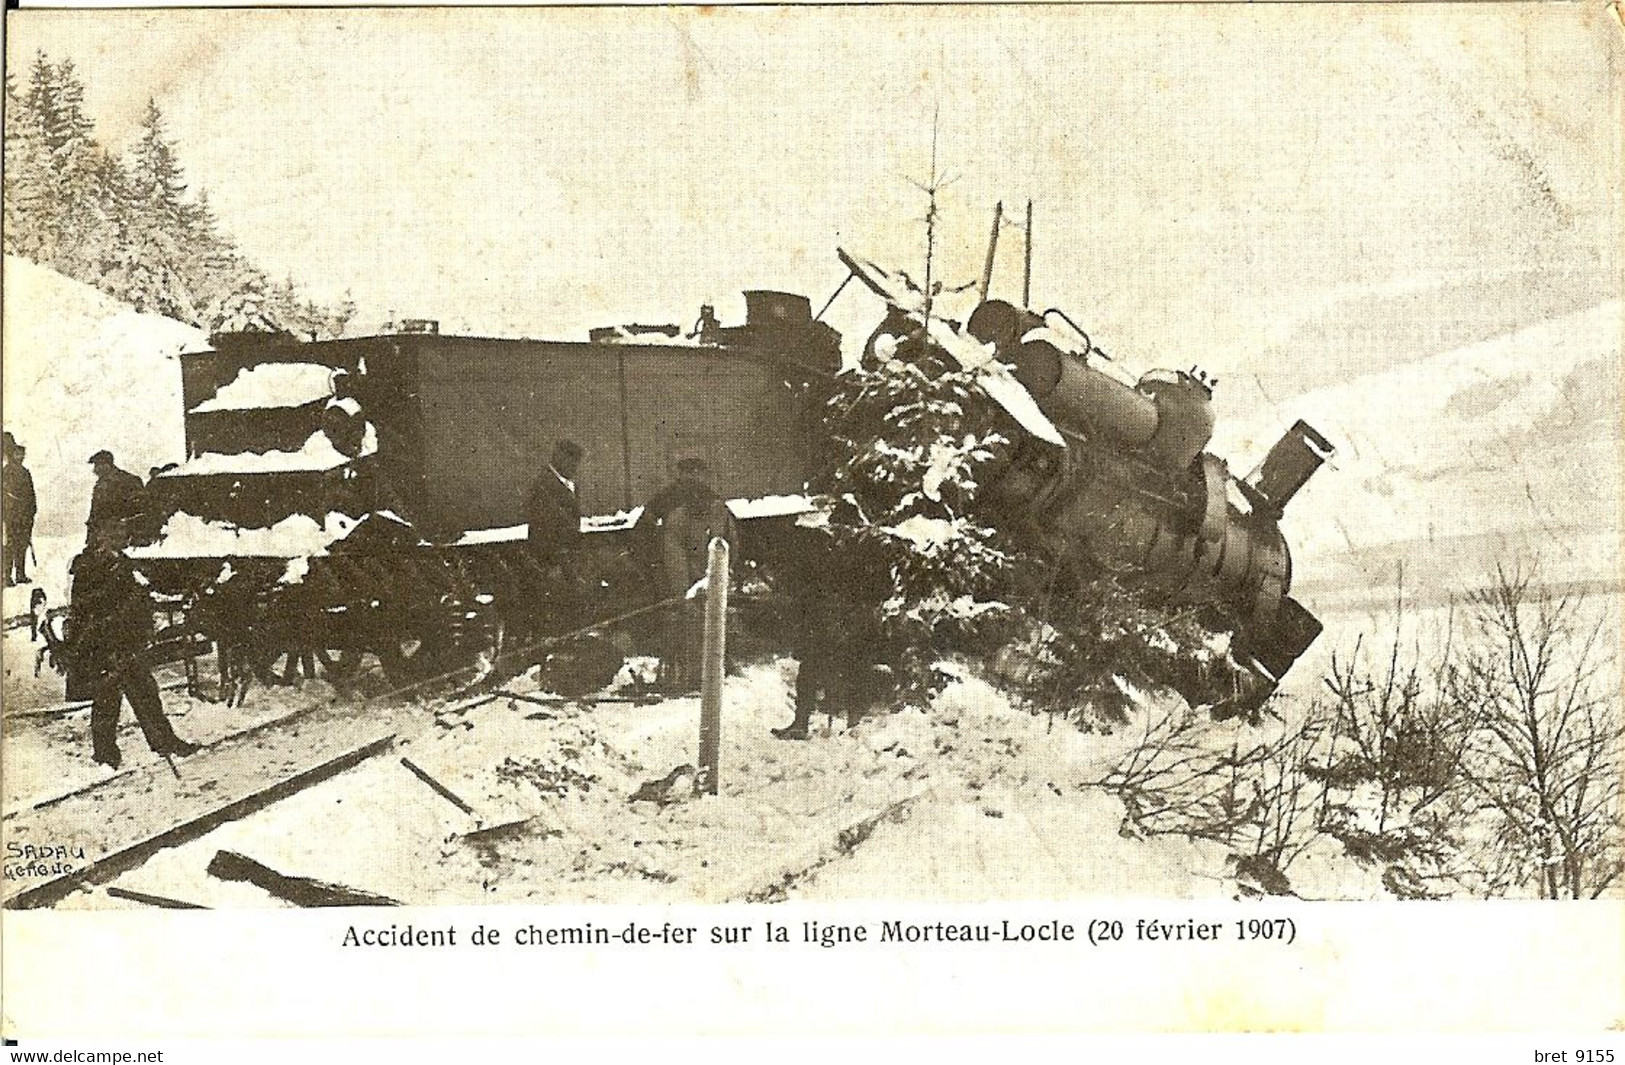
[272,385]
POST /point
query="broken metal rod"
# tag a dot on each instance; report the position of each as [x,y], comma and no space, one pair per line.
[1027,267]
[992,249]
[538,700]
[443,791]
[833,296]
[161,901]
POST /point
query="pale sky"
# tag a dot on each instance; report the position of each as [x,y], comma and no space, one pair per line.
[1301,193]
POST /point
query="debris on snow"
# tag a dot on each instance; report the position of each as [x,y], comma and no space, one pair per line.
[681,783]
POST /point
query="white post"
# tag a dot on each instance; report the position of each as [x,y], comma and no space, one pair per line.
[716,633]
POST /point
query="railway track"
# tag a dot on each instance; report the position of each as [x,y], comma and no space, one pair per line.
[117,823]
[114,824]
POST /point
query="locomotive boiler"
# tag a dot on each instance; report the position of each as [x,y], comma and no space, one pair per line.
[1112,472]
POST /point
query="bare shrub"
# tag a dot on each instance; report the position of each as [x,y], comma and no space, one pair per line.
[1393,787]
[1185,774]
[1543,759]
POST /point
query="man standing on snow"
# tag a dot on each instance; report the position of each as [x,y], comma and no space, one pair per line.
[110,630]
[118,503]
[553,510]
[20,507]
[835,627]
[675,531]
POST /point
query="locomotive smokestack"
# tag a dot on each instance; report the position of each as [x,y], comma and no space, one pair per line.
[1289,465]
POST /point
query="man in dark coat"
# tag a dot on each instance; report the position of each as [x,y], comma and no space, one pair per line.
[20,508]
[834,597]
[553,510]
[674,532]
[118,502]
[110,630]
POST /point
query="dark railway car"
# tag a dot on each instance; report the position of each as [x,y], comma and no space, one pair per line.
[461,426]
[390,473]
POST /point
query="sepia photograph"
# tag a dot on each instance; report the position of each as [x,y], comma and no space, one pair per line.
[802,456]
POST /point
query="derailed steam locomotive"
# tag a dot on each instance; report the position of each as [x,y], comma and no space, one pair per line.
[366,496]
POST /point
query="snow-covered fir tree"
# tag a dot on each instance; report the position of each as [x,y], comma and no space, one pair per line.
[130,225]
[910,442]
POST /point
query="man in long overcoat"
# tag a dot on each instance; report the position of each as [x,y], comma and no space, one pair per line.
[834,595]
[20,508]
[553,510]
[675,531]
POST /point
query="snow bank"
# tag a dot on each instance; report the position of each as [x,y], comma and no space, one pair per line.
[506,535]
[590,523]
[270,385]
[188,536]
[315,455]
[926,535]
[1512,441]
[85,372]
[652,338]
[621,519]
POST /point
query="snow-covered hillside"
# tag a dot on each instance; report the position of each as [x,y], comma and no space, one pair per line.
[85,372]
[1505,449]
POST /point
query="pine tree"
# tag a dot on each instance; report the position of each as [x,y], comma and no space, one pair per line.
[26,189]
[158,227]
[244,303]
[72,152]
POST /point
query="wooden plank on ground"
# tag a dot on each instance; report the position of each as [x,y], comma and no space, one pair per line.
[299,890]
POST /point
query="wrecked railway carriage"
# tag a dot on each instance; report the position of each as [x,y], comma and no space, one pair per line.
[366,495]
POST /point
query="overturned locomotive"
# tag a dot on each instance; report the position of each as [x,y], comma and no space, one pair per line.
[366,496]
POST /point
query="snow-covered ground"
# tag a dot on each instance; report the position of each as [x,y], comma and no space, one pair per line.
[46,757]
[969,799]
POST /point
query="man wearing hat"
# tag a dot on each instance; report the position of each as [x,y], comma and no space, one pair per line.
[20,507]
[117,502]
